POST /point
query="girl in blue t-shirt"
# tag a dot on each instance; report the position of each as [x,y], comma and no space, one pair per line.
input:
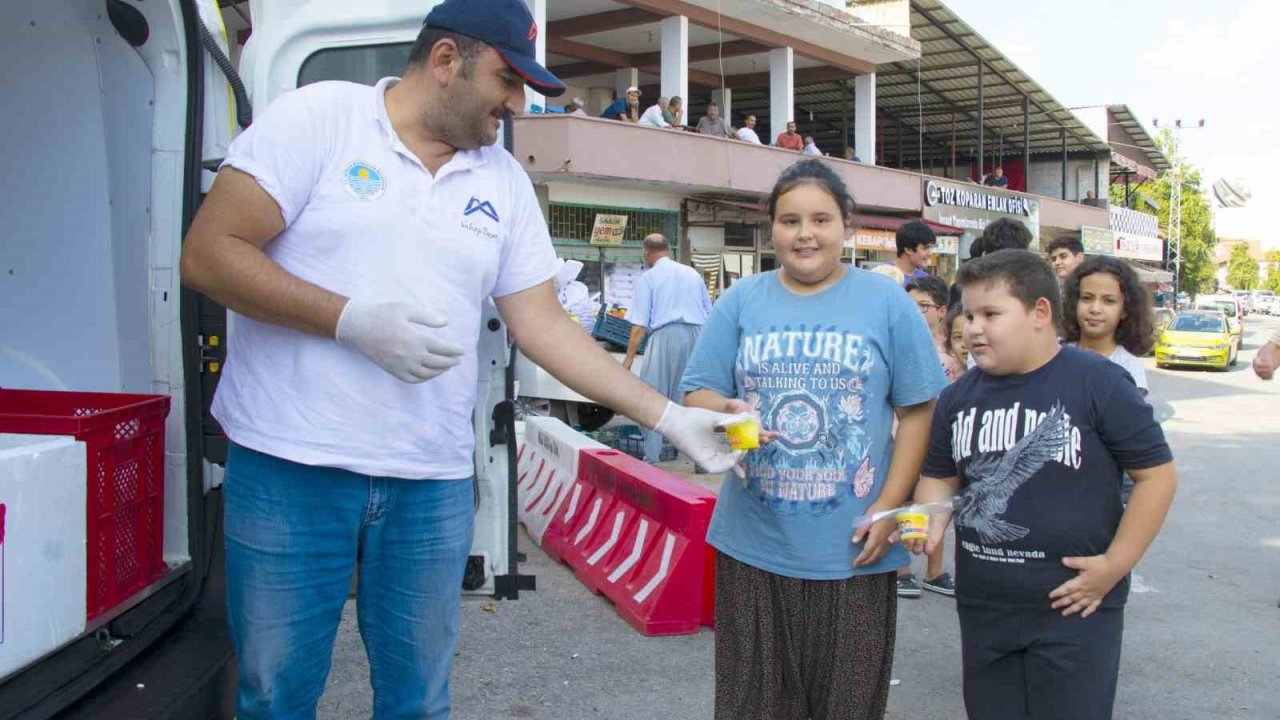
[825,355]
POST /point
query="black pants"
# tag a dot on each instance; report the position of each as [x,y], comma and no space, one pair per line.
[1038,665]
[790,649]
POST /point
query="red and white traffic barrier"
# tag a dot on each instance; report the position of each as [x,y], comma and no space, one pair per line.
[637,535]
[547,463]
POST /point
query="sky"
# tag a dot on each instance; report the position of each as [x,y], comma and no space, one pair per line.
[1217,60]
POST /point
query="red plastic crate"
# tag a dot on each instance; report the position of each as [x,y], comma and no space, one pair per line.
[124,448]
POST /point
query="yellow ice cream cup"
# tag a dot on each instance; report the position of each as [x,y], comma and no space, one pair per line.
[743,434]
[913,525]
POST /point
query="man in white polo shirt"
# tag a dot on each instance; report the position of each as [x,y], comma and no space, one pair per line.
[356,233]
[670,305]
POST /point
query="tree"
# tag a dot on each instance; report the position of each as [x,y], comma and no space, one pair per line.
[1198,238]
[1242,270]
[1272,282]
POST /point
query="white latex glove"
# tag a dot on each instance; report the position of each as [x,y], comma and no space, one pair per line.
[699,434]
[397,337]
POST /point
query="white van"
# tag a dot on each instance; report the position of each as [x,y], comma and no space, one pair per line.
[118,112]
[1229,304]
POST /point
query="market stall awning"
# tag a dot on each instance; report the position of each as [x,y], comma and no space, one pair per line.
[1150,276]
[892,222]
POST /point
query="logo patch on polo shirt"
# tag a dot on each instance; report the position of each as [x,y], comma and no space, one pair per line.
[475,205]
[364,181]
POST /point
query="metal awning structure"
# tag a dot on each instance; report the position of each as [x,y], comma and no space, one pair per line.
[962,93]
[1123,118]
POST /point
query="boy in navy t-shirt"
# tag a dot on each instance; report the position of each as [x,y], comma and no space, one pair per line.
[1036,444]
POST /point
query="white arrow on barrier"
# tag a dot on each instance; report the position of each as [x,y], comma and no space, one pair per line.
[634,557]
[591,523]
[608,544]
[663,567]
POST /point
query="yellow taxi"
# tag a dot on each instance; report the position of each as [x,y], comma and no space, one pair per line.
[1199,338]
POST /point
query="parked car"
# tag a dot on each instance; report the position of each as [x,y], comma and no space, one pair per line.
[1197,338]
[1229,304]
[1160,319]
[1242,297]
[1260,301]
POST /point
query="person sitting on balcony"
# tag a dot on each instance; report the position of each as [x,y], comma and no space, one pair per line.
[747,133]
[810,147]
[575,108]
[653,117]
[790,140]
[674,114]
[997,179]
[850,155]
[713,124]
[625,108]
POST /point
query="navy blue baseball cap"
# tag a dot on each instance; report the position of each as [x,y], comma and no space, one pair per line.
[505,25]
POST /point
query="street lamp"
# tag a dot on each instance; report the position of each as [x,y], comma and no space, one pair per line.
[1173,233]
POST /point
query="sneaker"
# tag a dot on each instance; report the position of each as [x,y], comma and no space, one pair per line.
[908,586]
[943,585]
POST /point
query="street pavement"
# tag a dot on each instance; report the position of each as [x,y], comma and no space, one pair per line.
[1202,635]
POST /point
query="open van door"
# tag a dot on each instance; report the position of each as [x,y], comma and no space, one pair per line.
[298,42]
[115,105]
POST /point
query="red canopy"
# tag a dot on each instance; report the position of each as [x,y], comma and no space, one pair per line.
[891,222]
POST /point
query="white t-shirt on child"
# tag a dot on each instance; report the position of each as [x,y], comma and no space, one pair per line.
[1131,363]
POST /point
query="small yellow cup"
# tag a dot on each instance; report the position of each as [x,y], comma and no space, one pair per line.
[913,525]
[744,434]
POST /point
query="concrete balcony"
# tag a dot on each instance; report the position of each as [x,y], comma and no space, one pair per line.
[559,148]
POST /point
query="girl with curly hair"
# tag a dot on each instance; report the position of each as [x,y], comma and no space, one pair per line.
[1107,311]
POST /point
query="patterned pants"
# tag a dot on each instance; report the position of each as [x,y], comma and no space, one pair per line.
[789,649]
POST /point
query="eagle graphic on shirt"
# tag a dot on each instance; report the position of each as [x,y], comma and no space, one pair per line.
[993,479]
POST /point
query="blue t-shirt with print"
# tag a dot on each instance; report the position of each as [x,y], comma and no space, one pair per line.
[824,371]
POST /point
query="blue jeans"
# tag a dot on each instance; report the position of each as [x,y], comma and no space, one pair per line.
[294,533]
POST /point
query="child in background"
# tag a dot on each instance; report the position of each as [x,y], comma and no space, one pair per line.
[955,339]
[826,355]
[1036,440]
[930,295]
[1107,311]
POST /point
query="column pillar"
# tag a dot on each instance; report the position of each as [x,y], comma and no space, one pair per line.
[624,78]
[1064,163]
[982,119]
[1026,143]
[782,88]
[675,60]
[723,99]
[864,118]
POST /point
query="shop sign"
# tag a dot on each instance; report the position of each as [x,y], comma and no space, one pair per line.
[1138,247]
[873,239]
[977,197]
[608,229]
[1097,241]
[973,207]
[947,245]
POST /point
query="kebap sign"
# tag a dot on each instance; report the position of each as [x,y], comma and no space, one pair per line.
[973,207]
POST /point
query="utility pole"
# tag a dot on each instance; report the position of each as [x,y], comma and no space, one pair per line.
[1173,233]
